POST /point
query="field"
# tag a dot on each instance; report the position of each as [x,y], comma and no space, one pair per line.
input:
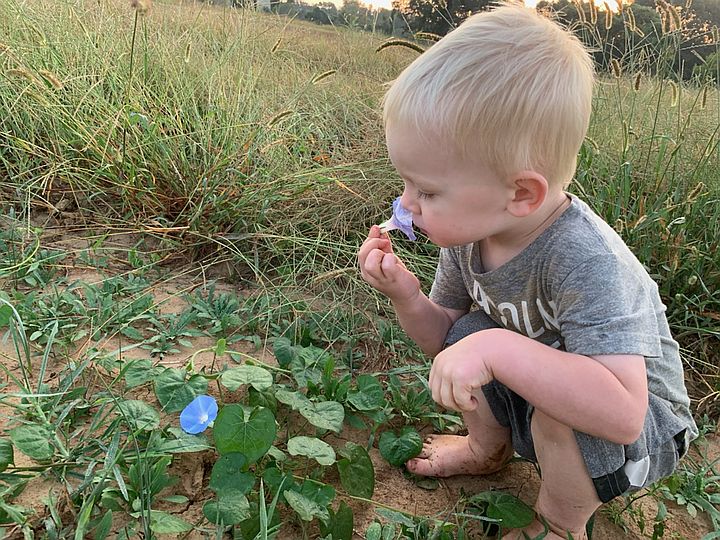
[184,193]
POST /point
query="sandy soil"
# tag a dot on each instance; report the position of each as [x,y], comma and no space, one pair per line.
[393,488]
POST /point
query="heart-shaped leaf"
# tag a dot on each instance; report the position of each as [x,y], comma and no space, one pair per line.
[397,450]
[305,507]
[259,378]
[325,415]
[368,394]
[174,392]
[164,523]
[231,508]
[312,447]
[356,470]
[340,525]
[139,415]
[228,474]
[248,431]
[511,511]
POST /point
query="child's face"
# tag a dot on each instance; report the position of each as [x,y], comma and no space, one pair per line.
[453,202]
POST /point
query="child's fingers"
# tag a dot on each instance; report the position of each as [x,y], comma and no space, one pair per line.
[463,398]
[372,265]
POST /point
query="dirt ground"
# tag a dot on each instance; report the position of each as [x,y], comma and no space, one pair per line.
[393,488]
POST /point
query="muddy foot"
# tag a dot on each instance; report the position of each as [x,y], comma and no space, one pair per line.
[450,455]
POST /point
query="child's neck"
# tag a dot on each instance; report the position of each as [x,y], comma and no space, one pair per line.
[496,251]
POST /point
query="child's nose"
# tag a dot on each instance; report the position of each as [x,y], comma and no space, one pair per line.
[408,202]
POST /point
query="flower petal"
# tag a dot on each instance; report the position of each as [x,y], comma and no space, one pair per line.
[198,414]
[401,220]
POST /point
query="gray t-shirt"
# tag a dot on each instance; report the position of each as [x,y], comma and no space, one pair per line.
[578,288]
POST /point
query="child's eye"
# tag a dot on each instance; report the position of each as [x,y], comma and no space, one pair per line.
[423,195]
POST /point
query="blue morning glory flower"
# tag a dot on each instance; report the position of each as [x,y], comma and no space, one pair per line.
[401,219]
[199,414]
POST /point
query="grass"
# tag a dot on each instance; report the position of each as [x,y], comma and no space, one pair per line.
[192,142]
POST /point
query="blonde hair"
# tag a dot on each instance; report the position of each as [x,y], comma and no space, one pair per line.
[508,87]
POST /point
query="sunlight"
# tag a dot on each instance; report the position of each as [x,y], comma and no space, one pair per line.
[613,5]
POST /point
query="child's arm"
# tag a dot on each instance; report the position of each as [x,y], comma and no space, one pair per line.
[604,396]
[424,321]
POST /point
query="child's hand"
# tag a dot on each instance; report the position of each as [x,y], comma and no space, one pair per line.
[458,372]
[383,270]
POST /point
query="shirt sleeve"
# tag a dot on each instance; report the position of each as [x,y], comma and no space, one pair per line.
[606,306]
[448,288]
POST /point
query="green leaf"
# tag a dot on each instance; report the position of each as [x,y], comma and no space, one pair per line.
[220,346]
[312,447]
[397,450]
[6,314]
[183,442]
[356,470]
[174,393]
[394,516]
[6,454]
[325,415]
[340,526]
[513,513]
[284,351]
[139,414]
[164,523]
[369,394]
[231,508]
[102,529]
[294,400]
[248,431]
[228,474]
[305,507]
[33,441]
[139,372]
[259,378]
[373,531]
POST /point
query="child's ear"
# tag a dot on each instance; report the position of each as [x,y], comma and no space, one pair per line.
[529,190]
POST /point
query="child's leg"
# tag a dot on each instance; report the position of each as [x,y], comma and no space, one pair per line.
[486,448]
[567,497]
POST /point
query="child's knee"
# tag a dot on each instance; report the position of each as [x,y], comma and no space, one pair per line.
[546,429]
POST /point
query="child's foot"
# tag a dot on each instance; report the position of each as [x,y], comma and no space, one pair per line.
[536,530]
[448,455]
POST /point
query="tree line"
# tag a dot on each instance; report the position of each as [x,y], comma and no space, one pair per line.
[654,36]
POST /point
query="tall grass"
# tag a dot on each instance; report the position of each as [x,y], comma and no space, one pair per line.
[250,137]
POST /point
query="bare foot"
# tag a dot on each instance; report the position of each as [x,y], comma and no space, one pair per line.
[448,455]
[536,530]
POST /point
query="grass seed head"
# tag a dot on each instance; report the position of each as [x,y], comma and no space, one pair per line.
[324,75]
[703,98]
[142,6]
[638,80]
[674,16]
[675,94]
[279,116]
[275,47]
[615,67]
[187,53]
[427,36]
[593,12]
[608,17]
[631,19]
[580,11]
[51,79]
[22,73]
[695,193]
[400,43]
